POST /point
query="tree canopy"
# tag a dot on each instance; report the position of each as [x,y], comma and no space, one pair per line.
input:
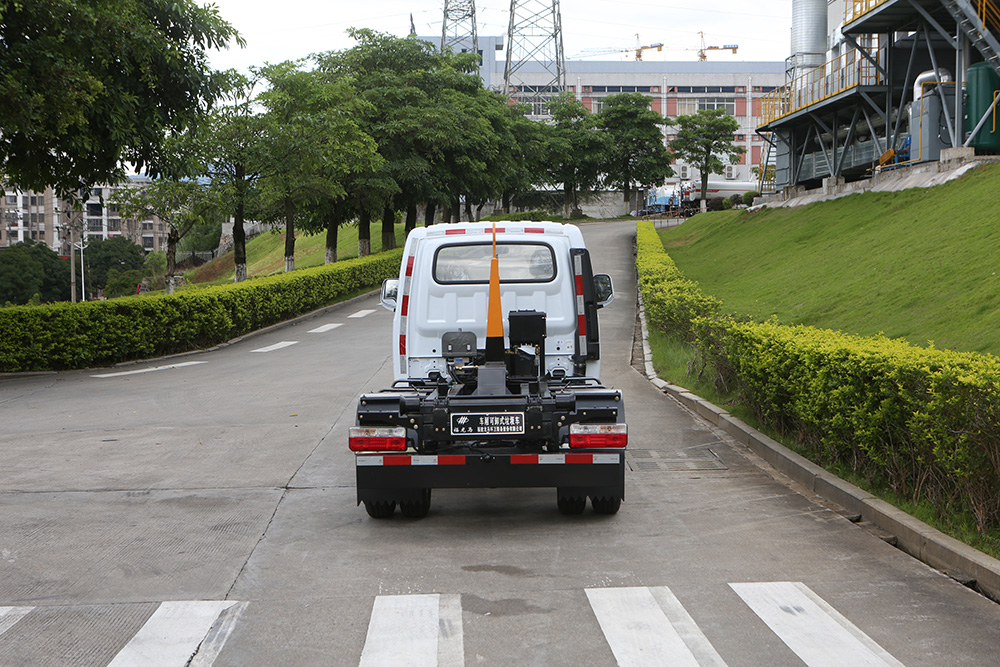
[28,269]
[703,139]
[90,85]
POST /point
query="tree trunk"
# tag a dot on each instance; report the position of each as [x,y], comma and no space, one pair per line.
[505,203]
[332,226]
[411,218]
[567,201]
[628,199]
[446,214]
[704,189]
[388,228]
[364,233]
[172,238]
[429,214]
[239,235]
[468,210]
[289,235]
[456,210]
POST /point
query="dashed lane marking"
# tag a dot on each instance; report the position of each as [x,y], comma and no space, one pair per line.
[815,631]
[11,615]
[173,634]
[415,630]
[325,328]
[277,346]
[361,313]
[152,369]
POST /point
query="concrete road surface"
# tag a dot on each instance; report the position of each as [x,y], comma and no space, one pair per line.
[204,506]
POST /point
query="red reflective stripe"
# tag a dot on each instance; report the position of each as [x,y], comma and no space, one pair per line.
[409,265]
[534,230]
[402,345]
[451,460]
[500,230]
[581,323]
[454,231]
[406,305]
[396,460]
[524,458]
[579,458]
[579,283]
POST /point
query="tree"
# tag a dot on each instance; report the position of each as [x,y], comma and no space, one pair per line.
[30,268]
[180,204]
[91,85]
[102,255]
[635,151]
[704,138]
[575,151]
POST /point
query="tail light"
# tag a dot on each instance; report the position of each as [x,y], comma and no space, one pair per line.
[386,439]
[598,435]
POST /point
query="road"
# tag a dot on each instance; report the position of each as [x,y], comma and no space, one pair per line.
[206,503]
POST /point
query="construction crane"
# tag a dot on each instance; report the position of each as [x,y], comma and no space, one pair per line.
[639,49]
[659,46]
[701,51]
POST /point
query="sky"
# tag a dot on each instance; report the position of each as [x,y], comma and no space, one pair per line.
[592,29]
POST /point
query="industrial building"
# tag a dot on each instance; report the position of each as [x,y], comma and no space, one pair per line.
[883,84]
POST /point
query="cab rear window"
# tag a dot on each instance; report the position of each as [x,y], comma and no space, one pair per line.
[470,263]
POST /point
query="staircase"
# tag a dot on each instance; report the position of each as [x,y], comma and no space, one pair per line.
[981,23]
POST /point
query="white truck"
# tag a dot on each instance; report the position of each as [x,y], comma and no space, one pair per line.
[496,357]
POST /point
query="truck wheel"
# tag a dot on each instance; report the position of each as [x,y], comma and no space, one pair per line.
[380,509]
[606,505]
[417,509]
[570,505]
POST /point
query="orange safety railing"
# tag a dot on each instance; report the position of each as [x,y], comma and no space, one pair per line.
[855,8]
[848,71]
[989,14]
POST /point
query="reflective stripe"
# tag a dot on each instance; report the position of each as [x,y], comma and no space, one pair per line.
[459,459]
[450,232]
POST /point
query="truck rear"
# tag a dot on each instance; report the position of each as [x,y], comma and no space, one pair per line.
[496,358]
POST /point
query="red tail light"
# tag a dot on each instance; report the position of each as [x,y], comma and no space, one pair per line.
[598,435]
[389,439]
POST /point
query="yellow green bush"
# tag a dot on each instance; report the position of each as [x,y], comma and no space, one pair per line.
[924,421]
[100,333]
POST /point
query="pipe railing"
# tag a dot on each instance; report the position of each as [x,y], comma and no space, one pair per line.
[857,8]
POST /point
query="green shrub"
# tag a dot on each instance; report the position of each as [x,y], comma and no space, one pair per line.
[716,204]
[99,333]
[748,197]
[524,215]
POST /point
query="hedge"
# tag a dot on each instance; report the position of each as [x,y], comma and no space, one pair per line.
[101,333]
[924,421]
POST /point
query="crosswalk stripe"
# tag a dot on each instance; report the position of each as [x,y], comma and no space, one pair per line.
[152,369]
[815,631]
[209,649]
[325,328]
[361,313]
[640,633]
[172,634]
[276,346]
[415,630]
[11,615]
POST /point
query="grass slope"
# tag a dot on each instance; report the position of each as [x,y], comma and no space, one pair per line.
[921,264]
[266,254]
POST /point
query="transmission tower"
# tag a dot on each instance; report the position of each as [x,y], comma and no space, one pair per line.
[534,36]
[458,29]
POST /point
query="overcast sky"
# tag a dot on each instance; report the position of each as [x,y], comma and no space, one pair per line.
[592,29]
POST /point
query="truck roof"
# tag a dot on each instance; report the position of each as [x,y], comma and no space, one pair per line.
[505,227]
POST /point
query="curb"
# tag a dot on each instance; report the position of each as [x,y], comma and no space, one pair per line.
[956,559]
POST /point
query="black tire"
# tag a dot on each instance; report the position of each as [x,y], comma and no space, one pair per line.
[606,505]
[570,505]
[380,509]
[417,509]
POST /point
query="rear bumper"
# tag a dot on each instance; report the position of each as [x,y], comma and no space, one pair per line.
[581,472]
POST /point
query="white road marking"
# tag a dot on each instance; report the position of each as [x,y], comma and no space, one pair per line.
[361,313]
[814,630]
[172,634]
[326,327]
[415,630]
[276,346]
[217,636]
[149,370]
[11,615]
[639,632]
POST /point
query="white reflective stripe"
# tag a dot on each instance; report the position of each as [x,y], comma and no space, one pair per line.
[552,458]
[423,460]
[367,460]
[11,615]
[638,631]
[403,630]
[172,634]
[606,458]
[814,630]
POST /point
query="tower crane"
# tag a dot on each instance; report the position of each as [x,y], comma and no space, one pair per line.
[701,51]
[659,46]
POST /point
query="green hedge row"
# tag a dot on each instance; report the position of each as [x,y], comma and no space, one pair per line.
[101,333]
[924,421]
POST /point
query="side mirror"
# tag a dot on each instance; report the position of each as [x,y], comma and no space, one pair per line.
[390,288]
[603,289]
